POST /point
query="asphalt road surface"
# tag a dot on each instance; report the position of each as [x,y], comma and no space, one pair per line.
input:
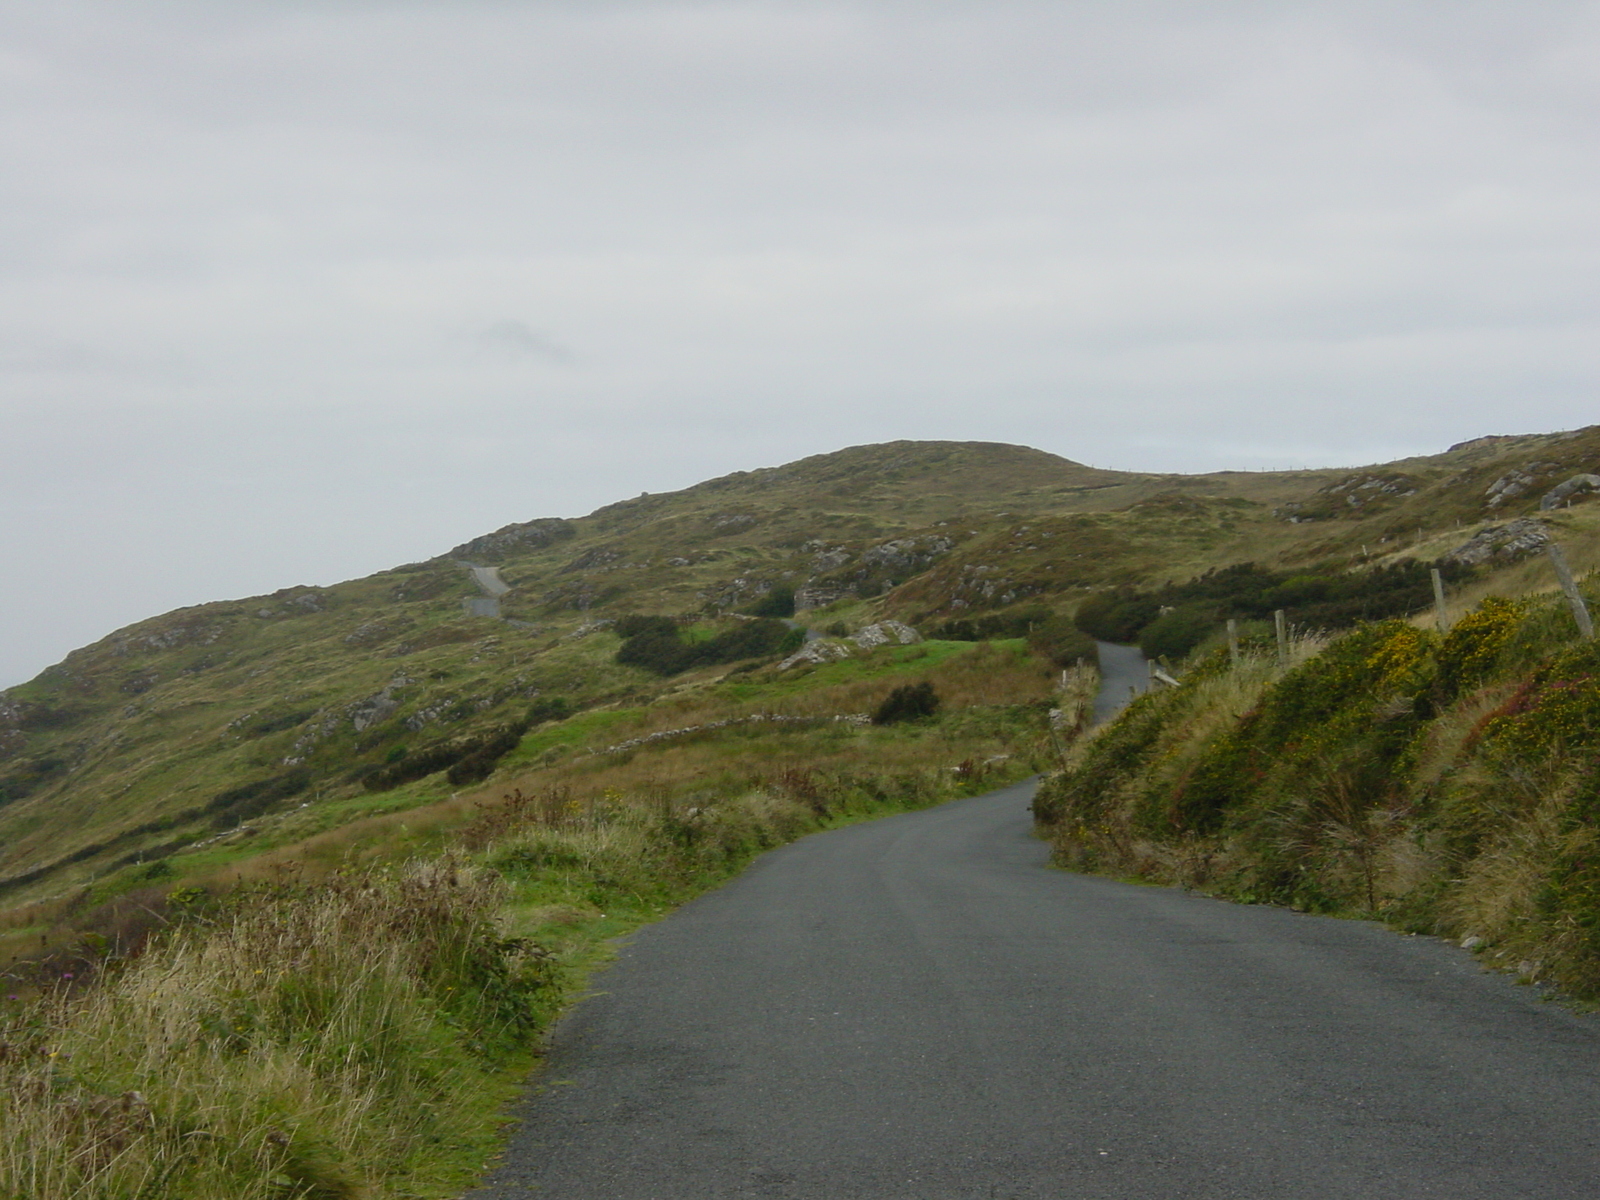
[488,578]
[1124,673]
[920,1008]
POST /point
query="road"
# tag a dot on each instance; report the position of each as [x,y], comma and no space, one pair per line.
[919,1008]
[1124,673]
[488,578]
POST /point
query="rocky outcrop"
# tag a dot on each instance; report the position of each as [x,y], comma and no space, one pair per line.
[378,707]
[1515,482]
[1523,536]
[197,629]
[870,637]
[904,554]
[599,558]
[588,627]
[1362,493]
[811,596]
[824,650]
[1559,494]
[886,633]
[732,522]
[836,572]
[370,633]
[510,539]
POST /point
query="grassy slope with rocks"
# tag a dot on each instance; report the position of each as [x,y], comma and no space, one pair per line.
[212,731]
[154,782]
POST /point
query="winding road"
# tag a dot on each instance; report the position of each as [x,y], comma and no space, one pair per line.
[1124,673]
[920,1008]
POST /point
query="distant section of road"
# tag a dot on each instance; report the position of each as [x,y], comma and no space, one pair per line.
[492,586]
[919,1009]
[1124,673]
[488,578]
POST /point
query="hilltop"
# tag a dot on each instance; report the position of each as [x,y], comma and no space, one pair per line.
[270,717]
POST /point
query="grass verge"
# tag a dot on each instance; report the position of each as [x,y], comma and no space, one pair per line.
[1445,783]
[351,1023]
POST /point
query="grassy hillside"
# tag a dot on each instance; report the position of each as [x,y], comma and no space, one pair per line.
[208,721]
[1446,782]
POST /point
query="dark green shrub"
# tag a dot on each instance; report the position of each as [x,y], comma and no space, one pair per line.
[779,602]
[475,756]
[1117,616]
[417,764]
[1050,635]
[1331,598]
[1172,635]
[479,765]
[655,644]
[748,639]
[655,647]
[636,624]
[1063,643]
[247,800]
[908,702]
[547,708]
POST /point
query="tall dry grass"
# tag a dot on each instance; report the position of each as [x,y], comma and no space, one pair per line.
[1186,721]
[299,1042]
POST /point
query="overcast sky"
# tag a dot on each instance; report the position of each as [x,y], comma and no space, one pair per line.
[292,292]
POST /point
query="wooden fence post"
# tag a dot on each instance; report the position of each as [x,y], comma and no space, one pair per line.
[1569,586]
[1440,618]
[1233,642]
[1283,636]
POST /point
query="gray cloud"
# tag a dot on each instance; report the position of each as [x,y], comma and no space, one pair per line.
[237,239]
[514,339]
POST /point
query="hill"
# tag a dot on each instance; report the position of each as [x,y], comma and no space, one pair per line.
[279,717]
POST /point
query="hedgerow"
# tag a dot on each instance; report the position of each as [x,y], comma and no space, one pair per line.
[1448,783]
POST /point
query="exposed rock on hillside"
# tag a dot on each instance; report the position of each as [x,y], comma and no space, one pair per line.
[1563,491]
[821,651]
[1514,484]
[510,539]
[886,633]
[1522,536]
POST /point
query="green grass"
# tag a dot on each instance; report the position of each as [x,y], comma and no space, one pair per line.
[583,730]
[885,662]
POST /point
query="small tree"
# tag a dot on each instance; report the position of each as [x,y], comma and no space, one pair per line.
[908,702]
[779,602]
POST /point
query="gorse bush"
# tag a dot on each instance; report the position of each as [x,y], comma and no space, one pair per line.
[1448,783]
